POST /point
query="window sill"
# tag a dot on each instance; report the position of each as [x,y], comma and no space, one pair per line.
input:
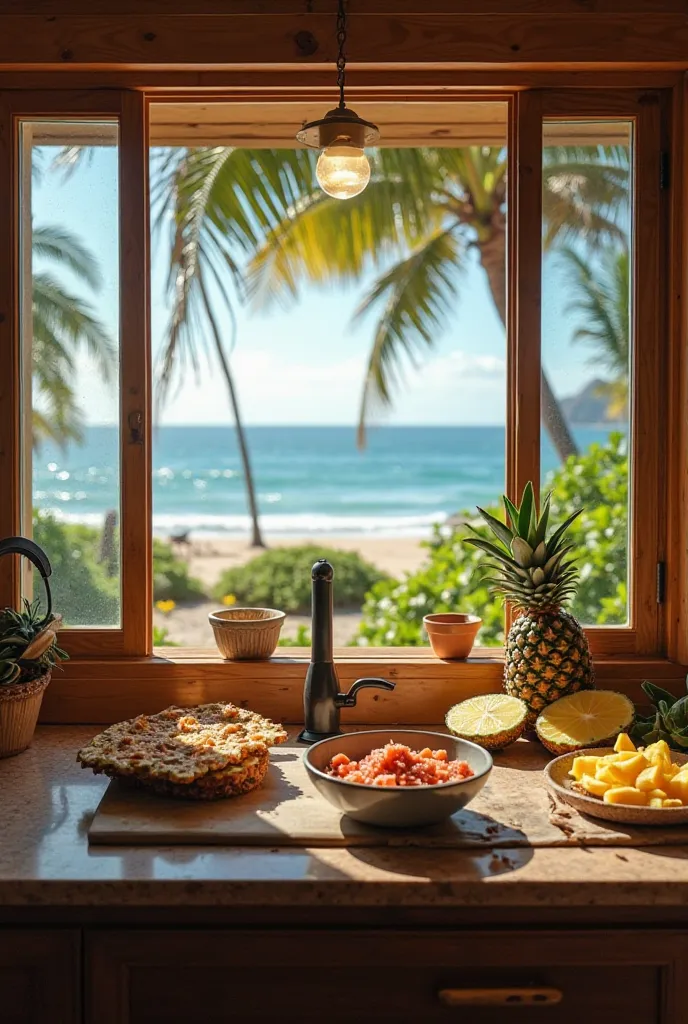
[106,690]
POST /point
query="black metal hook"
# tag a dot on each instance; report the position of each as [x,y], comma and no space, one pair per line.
[35,554]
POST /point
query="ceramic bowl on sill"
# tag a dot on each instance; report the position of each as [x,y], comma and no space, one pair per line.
[452,634]
[247,634]
[397,806]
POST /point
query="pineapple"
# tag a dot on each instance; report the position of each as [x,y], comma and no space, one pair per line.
[547,654]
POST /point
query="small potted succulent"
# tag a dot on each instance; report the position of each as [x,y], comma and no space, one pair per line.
[28,653]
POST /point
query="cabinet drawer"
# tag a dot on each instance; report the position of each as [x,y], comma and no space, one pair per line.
[361,976]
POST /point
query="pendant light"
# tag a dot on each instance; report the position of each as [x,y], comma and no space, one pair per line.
[342,170]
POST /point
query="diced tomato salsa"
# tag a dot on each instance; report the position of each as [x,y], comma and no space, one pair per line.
[398,765]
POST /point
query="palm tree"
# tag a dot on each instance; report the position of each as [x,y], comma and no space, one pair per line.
[415,225]
[220,202]
[63,325]
[601,302]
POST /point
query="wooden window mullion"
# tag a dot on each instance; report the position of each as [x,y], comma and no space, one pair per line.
[135,379]
[10,379]
[525,279]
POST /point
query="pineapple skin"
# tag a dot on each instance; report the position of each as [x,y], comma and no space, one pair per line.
[546,657]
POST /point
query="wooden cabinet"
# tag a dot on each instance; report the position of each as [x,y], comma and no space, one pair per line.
[489,977]
[39,976]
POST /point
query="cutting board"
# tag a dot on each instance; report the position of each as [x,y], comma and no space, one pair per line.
[512,810]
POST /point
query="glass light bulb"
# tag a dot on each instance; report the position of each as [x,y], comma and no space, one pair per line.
[342,170]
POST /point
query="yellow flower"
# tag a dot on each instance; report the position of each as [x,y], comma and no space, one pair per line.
[228,600]
[165,606]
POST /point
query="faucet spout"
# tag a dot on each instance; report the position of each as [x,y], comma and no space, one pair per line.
[348,700]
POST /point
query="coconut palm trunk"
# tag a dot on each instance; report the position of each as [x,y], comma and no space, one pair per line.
[492,259]
[256,535]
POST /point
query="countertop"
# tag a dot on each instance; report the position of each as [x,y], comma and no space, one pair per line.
[47,802]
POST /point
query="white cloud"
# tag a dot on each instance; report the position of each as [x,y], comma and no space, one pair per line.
[458,387]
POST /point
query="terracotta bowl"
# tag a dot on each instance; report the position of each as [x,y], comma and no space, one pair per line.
[452,634]
[247,634]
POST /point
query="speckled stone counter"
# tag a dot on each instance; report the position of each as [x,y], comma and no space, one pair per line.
[47,802]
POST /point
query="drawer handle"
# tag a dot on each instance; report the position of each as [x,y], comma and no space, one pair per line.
[500,996]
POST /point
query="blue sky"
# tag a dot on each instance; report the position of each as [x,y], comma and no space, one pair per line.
[306,365]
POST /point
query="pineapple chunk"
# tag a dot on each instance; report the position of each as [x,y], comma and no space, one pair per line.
[657,794]
[624,742]
[678,787]
[621,755]
[605,773]
[672,803]
[594,786]
[586,765]
[650,778]
[625,795]
[656,801]
[658,752]
[627,771]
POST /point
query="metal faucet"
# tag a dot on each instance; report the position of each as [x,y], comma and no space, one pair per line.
[322,699]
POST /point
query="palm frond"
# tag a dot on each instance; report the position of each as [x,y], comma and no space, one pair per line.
[417,293]
[600,301]
[63,247]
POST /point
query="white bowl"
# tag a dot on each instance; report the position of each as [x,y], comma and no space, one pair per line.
[397,806]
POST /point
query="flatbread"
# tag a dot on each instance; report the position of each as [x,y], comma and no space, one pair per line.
[231,781]
[181,745]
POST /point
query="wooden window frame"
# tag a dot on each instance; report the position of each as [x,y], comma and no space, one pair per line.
[129,111]
[115,673]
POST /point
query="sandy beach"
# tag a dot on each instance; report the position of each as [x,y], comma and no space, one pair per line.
[208,557]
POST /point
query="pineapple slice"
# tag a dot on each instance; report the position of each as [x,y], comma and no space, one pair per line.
[657,794]
[585,765]
[672,803]
[624,742]
[625,795]
[650,778]
[595,787]
[656,802]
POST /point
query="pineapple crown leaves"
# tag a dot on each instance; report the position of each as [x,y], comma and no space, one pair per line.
[28,644]
[532,570]
[668,721]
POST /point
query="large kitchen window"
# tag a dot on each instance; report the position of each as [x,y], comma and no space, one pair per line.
[236,359]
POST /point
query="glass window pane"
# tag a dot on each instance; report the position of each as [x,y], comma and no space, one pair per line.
[273,312]
[69,233]
[587,376]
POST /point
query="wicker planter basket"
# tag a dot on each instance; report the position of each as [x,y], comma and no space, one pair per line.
[19,707]
[247,634]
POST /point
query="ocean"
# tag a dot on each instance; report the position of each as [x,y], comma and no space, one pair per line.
[309,480]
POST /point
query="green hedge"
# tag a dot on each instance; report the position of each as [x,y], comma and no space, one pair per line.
[451,577]
[171,580]
[84,592]
[281,578]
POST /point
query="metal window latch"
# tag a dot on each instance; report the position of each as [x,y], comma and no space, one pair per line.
[135,424]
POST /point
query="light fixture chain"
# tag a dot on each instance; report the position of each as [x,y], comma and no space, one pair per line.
[341,58]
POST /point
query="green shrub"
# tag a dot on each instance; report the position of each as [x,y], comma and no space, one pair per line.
[171,580]
[451,577]
[302,638]
[83,592]
[281,578]
[161,637]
